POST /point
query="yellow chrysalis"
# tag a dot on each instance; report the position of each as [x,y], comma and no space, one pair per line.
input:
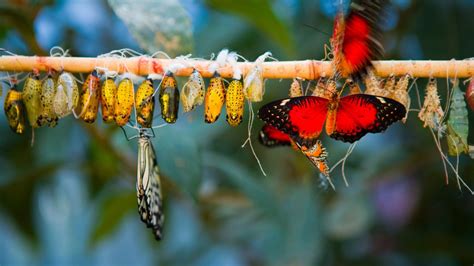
[15,110]
[169,98]
[234,99]
[214,100]
[124,102]
[145,103]
[108,93]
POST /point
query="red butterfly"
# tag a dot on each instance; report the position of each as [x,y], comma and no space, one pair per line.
[347,119]
[356,37]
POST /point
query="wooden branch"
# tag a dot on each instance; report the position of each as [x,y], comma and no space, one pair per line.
[307,69]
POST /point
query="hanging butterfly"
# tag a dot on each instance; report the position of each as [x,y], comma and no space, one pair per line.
[347,119]
[149,195]
[356,37]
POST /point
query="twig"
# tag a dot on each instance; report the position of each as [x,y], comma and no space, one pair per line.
[307,69]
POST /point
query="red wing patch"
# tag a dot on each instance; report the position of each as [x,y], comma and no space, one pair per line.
[270,136]
[302,118]
[361,43]
[360,114]
[355,46]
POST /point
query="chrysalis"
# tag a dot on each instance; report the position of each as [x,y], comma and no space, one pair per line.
[124,102]
[214,100]
[89,99]
[108,93]
[432,113]
[458,123]
[401,94]
[149,197]
[295,89]
[169,98]
[48,92]
[470,94]
[32,98]
[145,103]
[372,85]
[67,95]
[320,89]
[15,110]
[253,81]
[192,93]
[235,102]
[390,83]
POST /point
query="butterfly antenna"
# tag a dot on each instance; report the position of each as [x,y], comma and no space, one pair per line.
[317,29]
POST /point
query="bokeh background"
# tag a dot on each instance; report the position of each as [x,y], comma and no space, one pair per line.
[70,199]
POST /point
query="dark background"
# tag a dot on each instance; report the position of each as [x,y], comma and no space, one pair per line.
[70,199]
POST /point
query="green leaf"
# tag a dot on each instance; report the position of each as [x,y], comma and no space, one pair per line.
[261,15]
[112,210]
[157,25]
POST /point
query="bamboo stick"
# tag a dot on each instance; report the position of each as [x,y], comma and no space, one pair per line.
[307,69]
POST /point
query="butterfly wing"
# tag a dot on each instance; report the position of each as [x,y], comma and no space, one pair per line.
[360,114]
[149,196]
[302,118]
[270,136]
[358,38]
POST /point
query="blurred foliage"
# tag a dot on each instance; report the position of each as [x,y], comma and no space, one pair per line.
[161,25]
[70,198]
[260,13]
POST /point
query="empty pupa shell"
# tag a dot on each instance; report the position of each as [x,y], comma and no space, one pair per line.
[47,115]
[431,113]
[108,93]
[15,110]
[169,98]
[67,95]
[320,88]
[253,85]
[32,98]
[89,99]
[192,93]
[373,85]
[295,89]
[214,99]
[400,94]
[145,103]
[124,102]
[234,102]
